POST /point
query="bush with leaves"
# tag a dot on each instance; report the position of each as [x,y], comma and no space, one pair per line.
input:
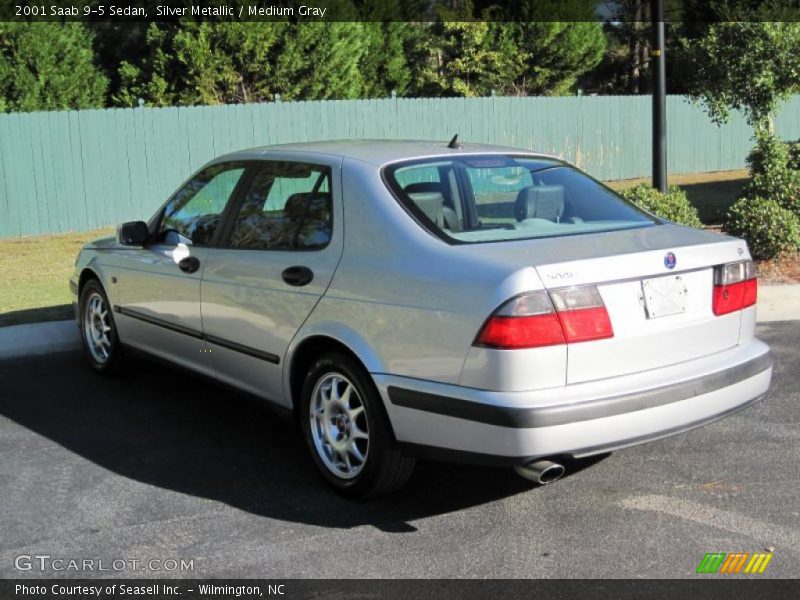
[769,229]
[794,155]
[781,185]
[769,154]
[773,171]
[674,205]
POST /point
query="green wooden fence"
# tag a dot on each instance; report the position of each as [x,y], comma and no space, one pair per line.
[77,170]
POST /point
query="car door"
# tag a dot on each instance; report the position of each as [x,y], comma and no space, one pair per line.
[278,254]
[158,285]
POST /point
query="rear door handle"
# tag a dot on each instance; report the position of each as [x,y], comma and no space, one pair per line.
[298,276]
[190,264]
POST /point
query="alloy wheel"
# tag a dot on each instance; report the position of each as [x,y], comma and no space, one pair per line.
[97,328]
[339,426]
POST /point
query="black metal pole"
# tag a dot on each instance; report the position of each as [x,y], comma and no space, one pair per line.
[659,73]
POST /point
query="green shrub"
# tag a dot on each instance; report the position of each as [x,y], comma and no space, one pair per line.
[769,154]
[673,206]
[769,229]
[794,155]
[781,185]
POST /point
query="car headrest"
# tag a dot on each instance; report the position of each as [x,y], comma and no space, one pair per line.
[432,204]
[297,204]
[424,186]
[540,202]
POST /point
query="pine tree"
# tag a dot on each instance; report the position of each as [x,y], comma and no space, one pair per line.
[48,66]
[229,62]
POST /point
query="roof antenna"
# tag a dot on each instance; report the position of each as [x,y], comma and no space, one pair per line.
[454,142]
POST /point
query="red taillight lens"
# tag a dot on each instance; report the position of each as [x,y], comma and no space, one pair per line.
[567,315]
[586,324]
[750,292]
[521,332]
[582,314]
[735,287]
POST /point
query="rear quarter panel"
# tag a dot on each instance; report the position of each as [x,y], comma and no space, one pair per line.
[414,301]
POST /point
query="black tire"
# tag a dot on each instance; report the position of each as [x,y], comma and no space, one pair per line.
[384,468]
[114,361]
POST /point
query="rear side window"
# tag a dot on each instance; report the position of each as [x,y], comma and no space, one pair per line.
[498,198]
[288,207]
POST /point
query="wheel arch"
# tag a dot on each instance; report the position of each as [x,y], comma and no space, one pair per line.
[321,339]
[86,274]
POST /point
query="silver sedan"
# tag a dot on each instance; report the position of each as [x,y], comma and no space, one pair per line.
[404,299]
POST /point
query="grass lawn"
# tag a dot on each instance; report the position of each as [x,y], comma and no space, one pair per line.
[710,193]
[35,272]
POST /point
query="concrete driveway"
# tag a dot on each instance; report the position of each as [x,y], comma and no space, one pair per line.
[159,466]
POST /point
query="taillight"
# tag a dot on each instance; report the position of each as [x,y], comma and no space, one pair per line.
[735,287]
[565,316]
[582,314]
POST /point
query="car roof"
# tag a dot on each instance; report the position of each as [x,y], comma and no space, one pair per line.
[379,152]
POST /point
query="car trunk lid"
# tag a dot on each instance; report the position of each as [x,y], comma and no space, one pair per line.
[656,283]
[659,301]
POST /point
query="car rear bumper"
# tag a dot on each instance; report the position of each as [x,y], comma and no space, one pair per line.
[471,425]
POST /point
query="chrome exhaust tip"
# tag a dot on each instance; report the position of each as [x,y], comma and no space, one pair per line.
[541,471]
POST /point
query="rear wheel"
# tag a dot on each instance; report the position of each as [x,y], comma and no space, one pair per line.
[347,430]
[98,329]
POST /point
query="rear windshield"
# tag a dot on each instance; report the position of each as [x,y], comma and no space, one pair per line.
[490,198]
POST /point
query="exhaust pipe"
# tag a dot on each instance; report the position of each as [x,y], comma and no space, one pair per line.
[541,471]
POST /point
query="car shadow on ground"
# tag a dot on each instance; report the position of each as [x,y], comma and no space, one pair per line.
[177,431]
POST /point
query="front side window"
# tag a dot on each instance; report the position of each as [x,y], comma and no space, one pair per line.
[288,207]
[193,213]
[498,197]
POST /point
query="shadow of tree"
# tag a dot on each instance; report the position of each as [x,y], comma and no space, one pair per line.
[712,199]
[37,315]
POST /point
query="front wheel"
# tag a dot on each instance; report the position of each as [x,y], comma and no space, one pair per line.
[347,430]
[98,329]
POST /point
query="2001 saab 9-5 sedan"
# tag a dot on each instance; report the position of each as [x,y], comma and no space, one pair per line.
[403,299]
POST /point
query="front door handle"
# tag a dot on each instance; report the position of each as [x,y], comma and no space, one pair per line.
[298,276]
[190,264]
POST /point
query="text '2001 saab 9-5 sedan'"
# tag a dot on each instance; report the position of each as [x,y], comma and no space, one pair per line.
[404,299]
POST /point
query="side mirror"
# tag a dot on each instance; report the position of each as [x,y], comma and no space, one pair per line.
[133,233]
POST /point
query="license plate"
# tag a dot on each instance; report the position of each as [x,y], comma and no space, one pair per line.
[664,296]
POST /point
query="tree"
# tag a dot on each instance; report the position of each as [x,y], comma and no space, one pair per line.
[48,66]
[384,66]
[388,59]
[115,42]
[463,61]
[746,66]
[625,66]
[528,58]
[229,62]
[550,56]
[200,63]
[522,48]
[320,61]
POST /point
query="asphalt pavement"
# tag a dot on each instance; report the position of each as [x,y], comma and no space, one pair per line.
[160,466]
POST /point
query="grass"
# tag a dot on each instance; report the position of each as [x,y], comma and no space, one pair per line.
[36,273]
[710,193]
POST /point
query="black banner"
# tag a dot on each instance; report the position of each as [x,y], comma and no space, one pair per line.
[585,589]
